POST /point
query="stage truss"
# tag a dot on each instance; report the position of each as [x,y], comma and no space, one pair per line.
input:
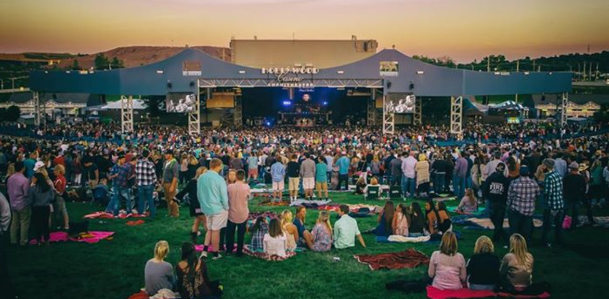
[310,83]
[194,117]
[456,115]
[563,110]
[126,114]
[388,120]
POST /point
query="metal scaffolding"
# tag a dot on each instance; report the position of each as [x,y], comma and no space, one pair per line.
[194,117]
[36,98]
[418,112]
[388,120]
[563,110]
[371,115]
[238,117]
[126,114]
[456,115]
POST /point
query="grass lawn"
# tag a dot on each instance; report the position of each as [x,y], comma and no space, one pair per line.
[115,269]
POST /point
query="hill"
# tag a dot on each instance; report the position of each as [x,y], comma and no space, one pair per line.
[141,55]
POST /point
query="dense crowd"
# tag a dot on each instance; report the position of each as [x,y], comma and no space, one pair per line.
[522,171]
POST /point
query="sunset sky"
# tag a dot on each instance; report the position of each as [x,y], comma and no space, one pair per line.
[462,29]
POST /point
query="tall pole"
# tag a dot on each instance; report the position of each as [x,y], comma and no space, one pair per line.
[584,72]
[517,70]
[488,63]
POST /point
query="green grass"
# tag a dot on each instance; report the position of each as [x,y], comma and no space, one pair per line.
[115,268]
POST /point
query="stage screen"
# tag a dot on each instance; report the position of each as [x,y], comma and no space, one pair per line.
[400,103]
[180,102]
[389,68]
[221,100]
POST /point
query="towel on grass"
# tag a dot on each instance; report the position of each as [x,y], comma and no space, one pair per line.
[135,223]
[300,202]
[88,237]
[434,293]
[271,203]
[255,215]
[402,239]
[105,215]
[260,255]
[486,223]
[481,211]
[440,199]
[409,258]
[601,221]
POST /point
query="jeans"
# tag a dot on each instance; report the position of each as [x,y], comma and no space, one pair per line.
[40,223]
[145,196]
[469,183]
[458,186]
[439,182]
[341,178]
[496,212]
[395,180]
[230,236]
[574,206]
[115,202]
[489,287]
[552,217]
[408,185]
[5,281]
[520,224]
[20,223]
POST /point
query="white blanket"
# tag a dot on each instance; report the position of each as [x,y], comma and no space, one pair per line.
[402,239]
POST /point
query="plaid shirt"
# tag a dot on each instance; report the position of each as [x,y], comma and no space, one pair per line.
[124,171]
[553,191]
[522,195]
[258,237]
[145,174]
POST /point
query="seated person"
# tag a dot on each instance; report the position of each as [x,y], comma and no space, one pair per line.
[258,230]
[417,221]
[400,221]
[275,241]
[360,185]
[469,203]
[385,220]
[447,266]
[193,281]
[158,274]
[304,236]
[345,230]
[322,233]
[516,270]
[438,221]
[101,192]
[290,230]
[483,266]
[373,182]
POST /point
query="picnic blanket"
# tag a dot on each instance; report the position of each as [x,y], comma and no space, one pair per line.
[402,239]
[408,258]
[481,211]
[271,203]
[106,215]
[255,215]
[135,223]
[601,221]
[88,237]
[434,293]
[486,223]
[301,202]
[440,198]
[260,255]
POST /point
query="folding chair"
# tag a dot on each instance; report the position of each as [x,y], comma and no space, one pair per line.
[395,192]
[372,193]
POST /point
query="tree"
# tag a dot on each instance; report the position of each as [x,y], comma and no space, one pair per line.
[75,65]
[117,63]
[101,62]
[12,113]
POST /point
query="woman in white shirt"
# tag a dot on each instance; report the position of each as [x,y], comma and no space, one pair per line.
[275,241]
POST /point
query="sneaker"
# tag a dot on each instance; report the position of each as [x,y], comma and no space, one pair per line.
[203,254]
[215,258]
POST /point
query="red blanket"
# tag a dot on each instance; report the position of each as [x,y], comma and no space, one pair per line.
[409,258]
[434,293]
[88,237]
[104,215]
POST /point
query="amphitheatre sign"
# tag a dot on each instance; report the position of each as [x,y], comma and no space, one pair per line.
[289,76]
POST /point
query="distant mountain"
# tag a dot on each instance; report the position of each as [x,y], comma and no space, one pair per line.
[142,55]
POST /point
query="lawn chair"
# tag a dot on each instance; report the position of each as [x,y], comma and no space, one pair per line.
[373,193]
[395,192]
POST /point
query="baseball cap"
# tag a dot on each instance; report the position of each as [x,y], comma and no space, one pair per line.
[38,165]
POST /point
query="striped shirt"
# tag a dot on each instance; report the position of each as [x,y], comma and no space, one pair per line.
[553,191]
[145,174]
[522,195]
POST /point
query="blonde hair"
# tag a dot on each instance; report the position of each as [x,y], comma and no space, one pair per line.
[201,170]
[286,218]
[374,181]
[484,245]
[161,249]
[469,192]
[518,247]
[449,245]
[324,217]
[60,169]
[422,157]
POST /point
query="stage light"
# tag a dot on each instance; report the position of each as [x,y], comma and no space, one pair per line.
[325,103]
[420,72]
[287,103]
[159,71]
[268,124]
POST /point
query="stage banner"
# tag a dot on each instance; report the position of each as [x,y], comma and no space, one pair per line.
[180,102]
[221,100]
[400,103]
[389,68]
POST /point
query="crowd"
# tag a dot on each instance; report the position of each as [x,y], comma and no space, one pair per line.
[513,177]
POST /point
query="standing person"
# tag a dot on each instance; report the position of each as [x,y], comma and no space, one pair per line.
[343,171]
[195,206]
[554,204]
[321,177]
[346,229]
[5,220]
[395,167]
[120,176]
[422,175]
[307,171]
[439,168]
[61,212]
[18,188]
[278,177]
[574,186]
[293,172]
[408,169]
[459,175]
[560,165]
[41,195]
[213,197]
[447,265]
[183,169]
[375,168]
[238,195]
[145,177]
[252,167]
[495,192]
[171,174]
[522,194]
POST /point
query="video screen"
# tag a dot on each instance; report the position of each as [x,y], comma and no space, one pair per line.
[400,103]
[180,102]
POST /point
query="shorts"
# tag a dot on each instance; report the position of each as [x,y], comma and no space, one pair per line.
[217,221]
[59,207]
[253,172]
[294,182]
[308,183]
[321,186]
[278,186]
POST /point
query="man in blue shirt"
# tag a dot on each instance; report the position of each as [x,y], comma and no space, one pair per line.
[213,198]
[343,170]
[277,174]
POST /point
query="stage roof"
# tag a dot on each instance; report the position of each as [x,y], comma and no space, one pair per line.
[172,75]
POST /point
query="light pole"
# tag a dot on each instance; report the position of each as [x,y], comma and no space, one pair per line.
[1,84]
